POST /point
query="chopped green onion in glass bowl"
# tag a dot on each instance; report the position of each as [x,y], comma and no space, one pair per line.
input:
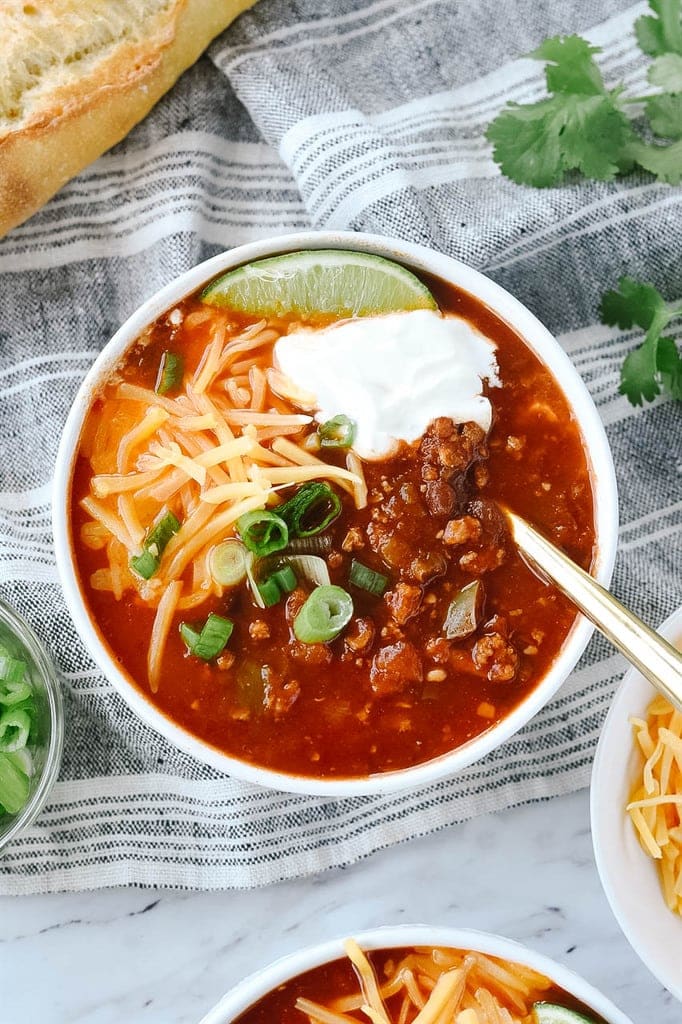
[31,725]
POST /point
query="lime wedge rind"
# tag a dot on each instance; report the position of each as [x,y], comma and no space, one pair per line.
[551,1013]
[338,282]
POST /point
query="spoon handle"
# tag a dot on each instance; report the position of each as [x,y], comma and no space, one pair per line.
[656,659]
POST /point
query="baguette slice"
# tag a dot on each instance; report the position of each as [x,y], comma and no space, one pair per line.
[76,75]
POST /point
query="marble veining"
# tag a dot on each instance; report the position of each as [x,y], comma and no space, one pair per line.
[154,957]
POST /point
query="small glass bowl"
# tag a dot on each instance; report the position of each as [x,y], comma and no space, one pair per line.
[46,745]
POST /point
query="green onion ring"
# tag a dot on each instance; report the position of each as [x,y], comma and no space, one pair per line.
[263,532]
[338,432]
[311,510]
[325,613]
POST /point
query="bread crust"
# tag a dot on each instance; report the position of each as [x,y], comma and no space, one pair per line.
[87,117]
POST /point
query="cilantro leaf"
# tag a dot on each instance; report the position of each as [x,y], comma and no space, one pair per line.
[663,161]
[665,115]
[656,364]
[570,67]
[634,303]
[581,127]
[669,363]
[638,374]
[595,137]
[526,145]
[661,34]
[666,72]
[538,143]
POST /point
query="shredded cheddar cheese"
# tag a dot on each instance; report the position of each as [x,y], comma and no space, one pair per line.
[433,986]
[655,805]
[160,630]
[214,447]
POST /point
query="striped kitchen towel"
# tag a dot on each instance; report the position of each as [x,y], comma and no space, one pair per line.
[363,114]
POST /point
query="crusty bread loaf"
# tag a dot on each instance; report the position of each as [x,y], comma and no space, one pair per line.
[76,75]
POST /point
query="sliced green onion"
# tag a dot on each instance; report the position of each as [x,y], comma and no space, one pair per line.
[269,592]
[14,672]
[338,432]
[14,692]
[251,565]
[280,582]
[15,725]
[367,579]
[162,531]
[170,372]
[146,563]
[263,532]
[14,784]
[324,615]
[211,640]
[16,709]
[5,658]
[311,510]
[285,578]
[23,760]
[310,567]
[190,635]
[464,612]
[228,563]
[14,687]
[320,544]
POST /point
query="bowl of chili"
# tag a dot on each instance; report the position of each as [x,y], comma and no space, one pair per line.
[395,971]
[323,599]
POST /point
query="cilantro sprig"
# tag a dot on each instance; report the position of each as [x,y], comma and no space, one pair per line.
[583,126]
[656,365]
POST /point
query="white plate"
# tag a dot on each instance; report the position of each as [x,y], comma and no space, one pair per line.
[629,877]
[257,985]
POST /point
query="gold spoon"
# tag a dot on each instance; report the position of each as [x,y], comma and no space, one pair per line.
[654,657]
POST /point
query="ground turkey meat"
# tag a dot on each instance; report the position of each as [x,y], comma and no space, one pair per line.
[395,668]
[295,601]
[360,635]
[438,649]
[464,530]
[479,562]
[404,602]
[259,630]
[278,695]
[497,656]
[309,654]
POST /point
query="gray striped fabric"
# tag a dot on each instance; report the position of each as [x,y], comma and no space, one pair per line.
[332,113]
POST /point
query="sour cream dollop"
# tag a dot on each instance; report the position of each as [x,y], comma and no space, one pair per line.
[393,374]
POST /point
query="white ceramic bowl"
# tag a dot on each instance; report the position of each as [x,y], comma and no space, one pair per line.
[628,875]
[540,341]
[257,985]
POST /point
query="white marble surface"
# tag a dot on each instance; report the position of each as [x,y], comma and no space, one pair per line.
[164,958]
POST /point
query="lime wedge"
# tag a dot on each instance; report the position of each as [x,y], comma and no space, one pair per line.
[334,281]
[550,1013]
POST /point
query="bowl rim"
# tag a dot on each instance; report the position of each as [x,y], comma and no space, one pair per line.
[53,754]
[671,629]
[263,980]
[536,336]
